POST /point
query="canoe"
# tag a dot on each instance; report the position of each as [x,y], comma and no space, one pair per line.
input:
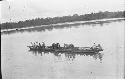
[63,49]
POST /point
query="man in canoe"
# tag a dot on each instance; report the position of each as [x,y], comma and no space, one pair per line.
[55,45]
[94,46]
[97,47]
[43,45]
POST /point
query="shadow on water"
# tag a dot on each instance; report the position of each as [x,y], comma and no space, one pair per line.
[69,55]
[51,27]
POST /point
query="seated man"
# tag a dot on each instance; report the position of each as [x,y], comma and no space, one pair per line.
[68,45]
[99,47]
[94,46]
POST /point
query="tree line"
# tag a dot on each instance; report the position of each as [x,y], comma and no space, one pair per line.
[55,20]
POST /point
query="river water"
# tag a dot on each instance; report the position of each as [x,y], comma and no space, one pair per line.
[19,63]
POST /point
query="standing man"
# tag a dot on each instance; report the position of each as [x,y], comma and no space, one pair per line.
[43,45]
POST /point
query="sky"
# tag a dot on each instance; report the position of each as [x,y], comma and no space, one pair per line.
[16,10]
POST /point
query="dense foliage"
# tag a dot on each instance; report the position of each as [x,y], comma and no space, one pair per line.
[55,20]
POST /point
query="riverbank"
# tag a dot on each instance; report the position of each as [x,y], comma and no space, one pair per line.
[66,24]
[70,19]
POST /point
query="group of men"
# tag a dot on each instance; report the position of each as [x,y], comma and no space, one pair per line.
[53,46]
[57,45]
[37,45]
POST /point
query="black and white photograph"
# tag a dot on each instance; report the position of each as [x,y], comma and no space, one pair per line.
[62,39]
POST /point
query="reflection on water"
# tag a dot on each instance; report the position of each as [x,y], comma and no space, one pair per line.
[68,55]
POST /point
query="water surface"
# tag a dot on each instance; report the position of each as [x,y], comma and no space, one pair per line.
[19,63]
